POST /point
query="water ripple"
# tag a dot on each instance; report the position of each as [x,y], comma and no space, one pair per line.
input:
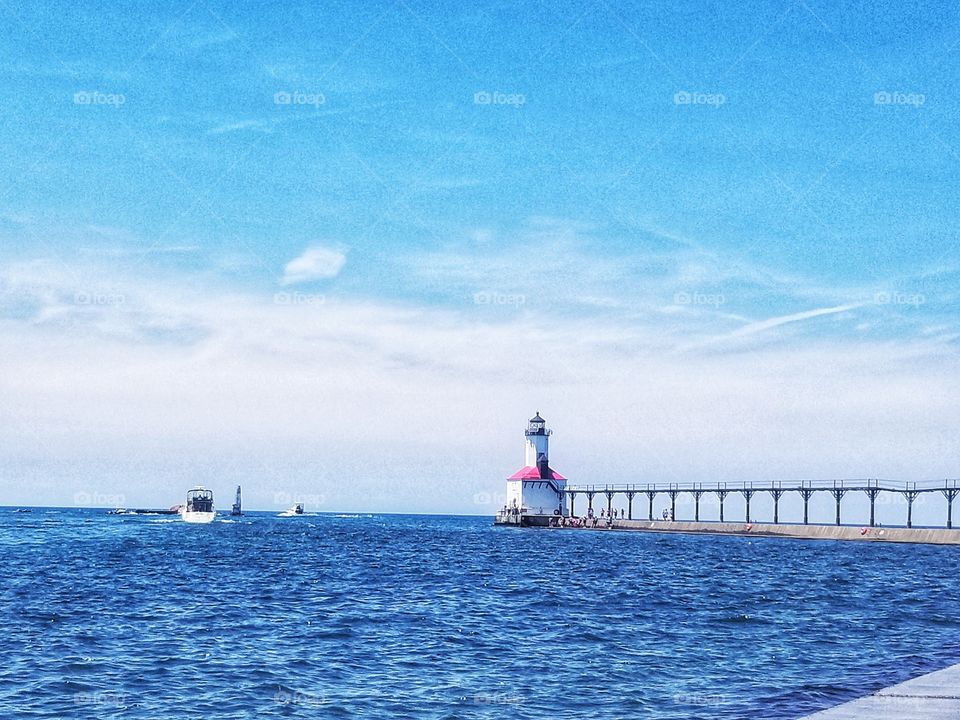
[430,617]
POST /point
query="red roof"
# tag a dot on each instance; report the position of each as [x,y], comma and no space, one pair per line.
[531,473]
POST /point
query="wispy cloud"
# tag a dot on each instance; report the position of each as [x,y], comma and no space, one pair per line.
[316,263]
[140,251]
[121,360]
[761,326]
[251,125]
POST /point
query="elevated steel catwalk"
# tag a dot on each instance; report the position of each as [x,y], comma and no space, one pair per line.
[872,487]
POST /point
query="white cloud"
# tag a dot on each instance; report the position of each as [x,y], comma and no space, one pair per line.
[754,328]
[792,318]
[110,382]
[317,263]
[254,125]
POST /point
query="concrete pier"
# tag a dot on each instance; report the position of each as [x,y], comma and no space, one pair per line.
[929,536]
[935,536]
[935,696]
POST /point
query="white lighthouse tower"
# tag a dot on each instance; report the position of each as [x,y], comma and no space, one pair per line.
[537,441]
[535,493]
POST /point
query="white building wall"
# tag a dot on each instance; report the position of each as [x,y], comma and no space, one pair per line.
[535,445]
[535,496]
[514,494]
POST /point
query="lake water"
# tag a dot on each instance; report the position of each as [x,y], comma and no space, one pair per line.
[448,617]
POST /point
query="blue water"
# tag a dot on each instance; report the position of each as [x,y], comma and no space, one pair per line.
[447,617]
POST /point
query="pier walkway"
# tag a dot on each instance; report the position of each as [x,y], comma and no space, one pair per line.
[929,536]
[910,491]
[935,696]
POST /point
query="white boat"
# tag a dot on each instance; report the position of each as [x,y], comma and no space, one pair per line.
[293,512]
[199,506]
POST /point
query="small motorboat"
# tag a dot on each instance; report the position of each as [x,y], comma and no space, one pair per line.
[294,511]
[199,506]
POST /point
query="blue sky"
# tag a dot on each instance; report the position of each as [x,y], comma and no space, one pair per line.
[234,236]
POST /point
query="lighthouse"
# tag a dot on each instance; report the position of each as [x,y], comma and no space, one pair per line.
[535,493]
[537,442]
